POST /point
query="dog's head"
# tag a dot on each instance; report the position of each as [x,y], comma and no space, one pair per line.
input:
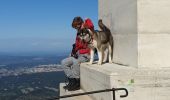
[85,35]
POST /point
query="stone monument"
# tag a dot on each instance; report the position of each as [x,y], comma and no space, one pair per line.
[141,32]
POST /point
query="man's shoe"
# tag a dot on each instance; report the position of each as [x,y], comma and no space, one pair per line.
[70,82]
[75,85]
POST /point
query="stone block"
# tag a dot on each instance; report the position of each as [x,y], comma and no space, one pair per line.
[142,84]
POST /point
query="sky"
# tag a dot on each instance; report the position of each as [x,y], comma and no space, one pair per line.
[41,26]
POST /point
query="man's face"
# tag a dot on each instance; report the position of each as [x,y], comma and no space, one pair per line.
[78,27]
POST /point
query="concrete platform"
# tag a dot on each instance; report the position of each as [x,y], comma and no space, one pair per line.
[142,83]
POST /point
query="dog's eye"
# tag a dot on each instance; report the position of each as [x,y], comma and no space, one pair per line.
[81,34]
[84,34]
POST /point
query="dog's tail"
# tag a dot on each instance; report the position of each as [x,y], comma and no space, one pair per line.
[102,26]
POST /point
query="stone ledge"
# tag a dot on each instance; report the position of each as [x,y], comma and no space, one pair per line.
[65,92]
[142,83]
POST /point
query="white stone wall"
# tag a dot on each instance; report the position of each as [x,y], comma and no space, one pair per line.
[141,31]
[153,16]
[121,17]
[154,33]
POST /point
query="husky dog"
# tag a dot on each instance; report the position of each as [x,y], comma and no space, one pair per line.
[101,40]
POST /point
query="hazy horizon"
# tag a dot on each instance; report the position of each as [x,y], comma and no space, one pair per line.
[34,53]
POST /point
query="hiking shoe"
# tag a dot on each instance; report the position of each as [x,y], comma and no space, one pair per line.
[75,85]
[70,82]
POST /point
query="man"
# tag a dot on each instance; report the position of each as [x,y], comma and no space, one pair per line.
[79,54]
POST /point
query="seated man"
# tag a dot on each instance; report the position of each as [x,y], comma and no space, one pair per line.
[80,53]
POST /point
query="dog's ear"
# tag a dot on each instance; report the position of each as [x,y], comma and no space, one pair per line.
[91,33]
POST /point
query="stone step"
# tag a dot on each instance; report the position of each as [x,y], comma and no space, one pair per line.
[65,92]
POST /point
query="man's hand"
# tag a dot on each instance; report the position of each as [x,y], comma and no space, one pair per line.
[73,53]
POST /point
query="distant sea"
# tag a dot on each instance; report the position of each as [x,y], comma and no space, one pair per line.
[36,86]
[16,61]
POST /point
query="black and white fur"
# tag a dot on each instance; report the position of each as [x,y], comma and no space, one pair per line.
[101,40]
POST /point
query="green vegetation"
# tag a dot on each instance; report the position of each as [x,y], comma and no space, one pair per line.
[38,86]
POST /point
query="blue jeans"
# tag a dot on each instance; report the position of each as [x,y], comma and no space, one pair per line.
[72,65]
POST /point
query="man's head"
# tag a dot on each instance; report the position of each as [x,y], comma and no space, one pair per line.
[77,22]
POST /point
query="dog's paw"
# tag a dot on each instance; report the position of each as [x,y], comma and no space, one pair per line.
[110,62]
[90,63]
[99,63]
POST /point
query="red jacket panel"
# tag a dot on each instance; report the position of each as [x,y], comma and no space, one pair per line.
[88,24]
[82,47]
